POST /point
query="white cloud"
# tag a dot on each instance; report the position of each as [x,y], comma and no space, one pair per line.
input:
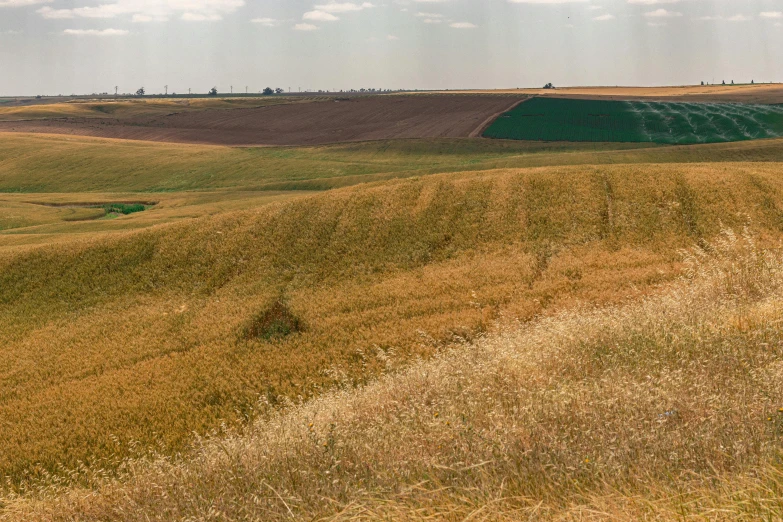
[604,17]
[342,7]
[201,17]
[95,32]
[735,18]
[21,3]
[319,16]
[149,10]
[392,38]
[739,18]
[662,13]
[547,1]
[463,25]
[653,2]
[772,14]
[266,22]
[305,27]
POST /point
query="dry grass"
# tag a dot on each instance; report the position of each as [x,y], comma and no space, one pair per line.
[669,408]
[28,220]
[112,346]
[754,93]
[132,108]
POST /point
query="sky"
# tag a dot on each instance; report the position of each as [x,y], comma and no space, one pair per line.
[52,47]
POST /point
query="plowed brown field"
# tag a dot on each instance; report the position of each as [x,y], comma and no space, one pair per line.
[337,120]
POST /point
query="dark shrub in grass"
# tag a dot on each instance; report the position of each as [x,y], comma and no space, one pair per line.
[275,322]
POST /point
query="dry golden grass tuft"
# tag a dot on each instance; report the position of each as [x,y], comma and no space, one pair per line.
[668,408]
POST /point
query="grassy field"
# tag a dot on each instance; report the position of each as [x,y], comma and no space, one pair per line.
[137,338]
[130,108]
[62,164]
[44,180]
[260,278]
[669,408]
[550,119]
[742,93]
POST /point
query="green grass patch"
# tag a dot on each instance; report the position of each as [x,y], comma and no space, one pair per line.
[670,123]
[58,164]
[123,208]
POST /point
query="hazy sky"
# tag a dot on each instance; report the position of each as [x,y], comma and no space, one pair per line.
[86,46]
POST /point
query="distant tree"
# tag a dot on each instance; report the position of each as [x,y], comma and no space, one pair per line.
[279,91]
[732,82]
[268,91]
[724,82]
[213,91]
[140,92]
[549,86]
[702,82]
[751,82]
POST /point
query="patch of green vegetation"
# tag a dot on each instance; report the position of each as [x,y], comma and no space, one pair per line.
[670,123]
[124,208]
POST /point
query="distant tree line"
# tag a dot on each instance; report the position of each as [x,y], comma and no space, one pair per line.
[268,91]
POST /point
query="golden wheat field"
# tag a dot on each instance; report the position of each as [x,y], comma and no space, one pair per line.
[444,328]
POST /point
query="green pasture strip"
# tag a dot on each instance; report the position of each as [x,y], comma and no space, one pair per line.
[671,123]
[58,164]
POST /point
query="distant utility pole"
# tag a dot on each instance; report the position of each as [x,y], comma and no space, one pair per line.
[189,91]
[115,90]
[232,89]
[167,89]
[246,89]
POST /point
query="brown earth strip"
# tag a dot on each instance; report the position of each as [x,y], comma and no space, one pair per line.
[333,121]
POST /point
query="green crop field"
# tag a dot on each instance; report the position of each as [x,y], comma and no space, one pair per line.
[637,121]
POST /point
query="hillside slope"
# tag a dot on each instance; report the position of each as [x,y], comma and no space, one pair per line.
[49,164]
[112,346]
[669,408]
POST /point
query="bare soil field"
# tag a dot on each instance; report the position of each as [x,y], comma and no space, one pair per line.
[758,93]
[336,120]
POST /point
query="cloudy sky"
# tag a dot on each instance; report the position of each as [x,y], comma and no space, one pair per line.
[86,46]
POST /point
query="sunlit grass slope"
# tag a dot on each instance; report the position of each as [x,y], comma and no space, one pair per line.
[668,408]
[146,337]
[40,163]
[130,108]
[33,219]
